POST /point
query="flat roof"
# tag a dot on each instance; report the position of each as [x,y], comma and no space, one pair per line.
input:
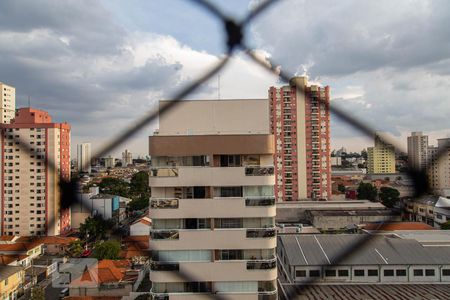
[328,249]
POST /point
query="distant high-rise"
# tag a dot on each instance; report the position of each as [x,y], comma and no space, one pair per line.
[417,150]
[30,178]
[84,157]
[439,167]
[8,103]
[127,158]
[212,205]
[300,122]
[381,158]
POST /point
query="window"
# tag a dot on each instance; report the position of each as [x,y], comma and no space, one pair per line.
[230,160]
[330,273]
[230,254]
[314,273]
[400,273]
[343,273]
[429,272]
[388,272]
[418,272]
[445,272]
[372,272]
[300,273]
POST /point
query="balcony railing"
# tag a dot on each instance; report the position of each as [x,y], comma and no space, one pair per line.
[161,266]
[260,201]
[158,203]
[261,264]
[164,172]
[268,295]
[261,233]
[259,171]
[165,234]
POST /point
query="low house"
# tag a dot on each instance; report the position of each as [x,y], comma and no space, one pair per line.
[141,227]
[107,278]
[15,260]
[11,281]
[33,249]
[52,245]
[136,249]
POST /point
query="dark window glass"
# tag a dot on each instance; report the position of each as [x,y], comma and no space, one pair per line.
[330,273]
[359,273]
[314,273]
[372,272]
[400,272]
[418,272]
[446,272]
[429,272]
[388,272]
[300,273]
[343,273]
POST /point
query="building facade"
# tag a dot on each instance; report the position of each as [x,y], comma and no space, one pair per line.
[417,150]
[381,158]
[300,123]
[35,156]
[8,103]
[213,206]
[127,158]
[84,157]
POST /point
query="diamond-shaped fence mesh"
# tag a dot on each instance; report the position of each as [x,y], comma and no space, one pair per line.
[235,41]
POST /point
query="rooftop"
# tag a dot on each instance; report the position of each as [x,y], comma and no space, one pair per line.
[390,226]
[8,271]
[326,249]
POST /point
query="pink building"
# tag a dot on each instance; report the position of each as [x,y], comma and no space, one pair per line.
[300,123]
[30,193]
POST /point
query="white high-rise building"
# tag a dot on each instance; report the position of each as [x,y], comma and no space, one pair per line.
[127,158]
[8,103]
[417,150]
[213,203]
[84,157]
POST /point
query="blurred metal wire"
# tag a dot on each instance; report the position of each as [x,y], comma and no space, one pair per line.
[235,40]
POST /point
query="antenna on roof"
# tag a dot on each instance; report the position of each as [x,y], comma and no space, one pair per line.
[29,102]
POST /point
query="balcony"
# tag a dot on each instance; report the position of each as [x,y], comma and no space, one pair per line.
[261,264]
[199,239]
[218,207]
[220,270]
[164,266]
[162,203]
[261,233]
[212,176]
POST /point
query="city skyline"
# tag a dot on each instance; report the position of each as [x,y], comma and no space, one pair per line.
[130,60]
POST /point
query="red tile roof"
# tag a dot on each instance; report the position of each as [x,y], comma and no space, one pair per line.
[18,246]
[6,259]
[389,226]
[106,271]
[59,240]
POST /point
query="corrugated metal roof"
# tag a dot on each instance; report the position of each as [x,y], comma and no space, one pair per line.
[330,249]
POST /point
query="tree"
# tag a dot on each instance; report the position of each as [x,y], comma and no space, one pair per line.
[445,226]
[94,228]
[75,248]
[115,186]
[367,191]
[138,204]
[364,154]
[341,188]
[139,184]
[389,196]
[37,293]
[107,250]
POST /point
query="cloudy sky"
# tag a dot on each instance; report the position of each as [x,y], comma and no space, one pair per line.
[100,65]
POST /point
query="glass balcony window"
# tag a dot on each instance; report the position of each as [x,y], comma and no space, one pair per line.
[261,264]
[261,233]
[165,235]
[163,266]
[260,201]
[159,203]
[259,171]
[164,172]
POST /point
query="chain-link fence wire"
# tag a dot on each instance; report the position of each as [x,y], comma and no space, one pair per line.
[235,41]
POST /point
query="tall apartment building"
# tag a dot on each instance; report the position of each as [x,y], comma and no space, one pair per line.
[30,203]
[8,103]
[127,158]
[439,169]
[417,150]
[300,122]
[213,205]
[84,157]
[381,158]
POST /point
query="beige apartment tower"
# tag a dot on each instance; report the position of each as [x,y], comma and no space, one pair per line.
[417,150]
[381,158]
[30,178]
[213,205]
[8,102]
